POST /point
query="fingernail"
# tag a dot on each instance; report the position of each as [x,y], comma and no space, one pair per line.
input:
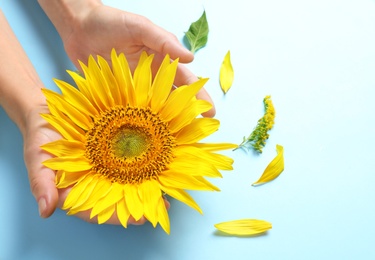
[42,204]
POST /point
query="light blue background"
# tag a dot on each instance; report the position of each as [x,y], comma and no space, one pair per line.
[317,61]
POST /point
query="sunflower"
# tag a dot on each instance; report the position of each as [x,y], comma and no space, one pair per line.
[128,138]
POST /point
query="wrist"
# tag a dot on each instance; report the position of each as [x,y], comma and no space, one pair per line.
[67,14]
[19,82]
[20,104]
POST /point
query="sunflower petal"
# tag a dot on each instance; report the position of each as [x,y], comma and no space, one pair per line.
[142,80]
[60,175]
[76,191]
[151,194]
[71,112]
[57,113]
[84,87]
[67,179]
[179,98]
[111,80]
[162,84]
[122,72]
[226,73]
[85,194]
[163,215]
[123,213]
[100,190]
[115,194]
[102,93]
[244,227]
[65,147]
[89,81]
[133,201]
[219,161]
[70,164]
[274,168]
[186,182]
[66,130]
[194,167]
[76,98]
[212,147]
[182,196]
[194,108]
[197,130]
[106,214]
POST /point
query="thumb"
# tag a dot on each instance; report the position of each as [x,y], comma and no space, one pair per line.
[42,180]
[164,42]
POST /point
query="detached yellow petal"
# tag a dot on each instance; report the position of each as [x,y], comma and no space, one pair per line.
[226,73]
[244,227]
[274,169]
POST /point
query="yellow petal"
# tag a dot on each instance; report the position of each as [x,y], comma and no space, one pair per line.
[123,213]
[274,168]
[182,196]
[126,81]
[193,109]
[110,79]
[66,179]
[67,115]
[82,85]
[76,191]
[179,98]
[76,98]
[194,167]
[142,80]
[215,146]
[197,130]
[244,227]
[70,164]
[64,147]
[86,84]
[60,175]
[67,130]
[151,194]
[100,190]
[163,215]
[220,161]
[162,84]
[84,195]
[121,71]
[95,77]
[186,182]
[115,194]
[106,214]
[226,73]
[133,201]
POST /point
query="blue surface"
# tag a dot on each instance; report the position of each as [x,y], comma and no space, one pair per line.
[317,61]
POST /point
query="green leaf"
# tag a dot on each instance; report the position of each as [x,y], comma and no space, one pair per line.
[197,33]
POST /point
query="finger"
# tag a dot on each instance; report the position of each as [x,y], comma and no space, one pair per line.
[164,42]
[42,181]
[186,77]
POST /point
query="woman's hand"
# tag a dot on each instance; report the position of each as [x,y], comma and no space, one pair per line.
[88,27]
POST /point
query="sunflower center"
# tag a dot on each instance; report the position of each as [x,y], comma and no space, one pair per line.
[129,145]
